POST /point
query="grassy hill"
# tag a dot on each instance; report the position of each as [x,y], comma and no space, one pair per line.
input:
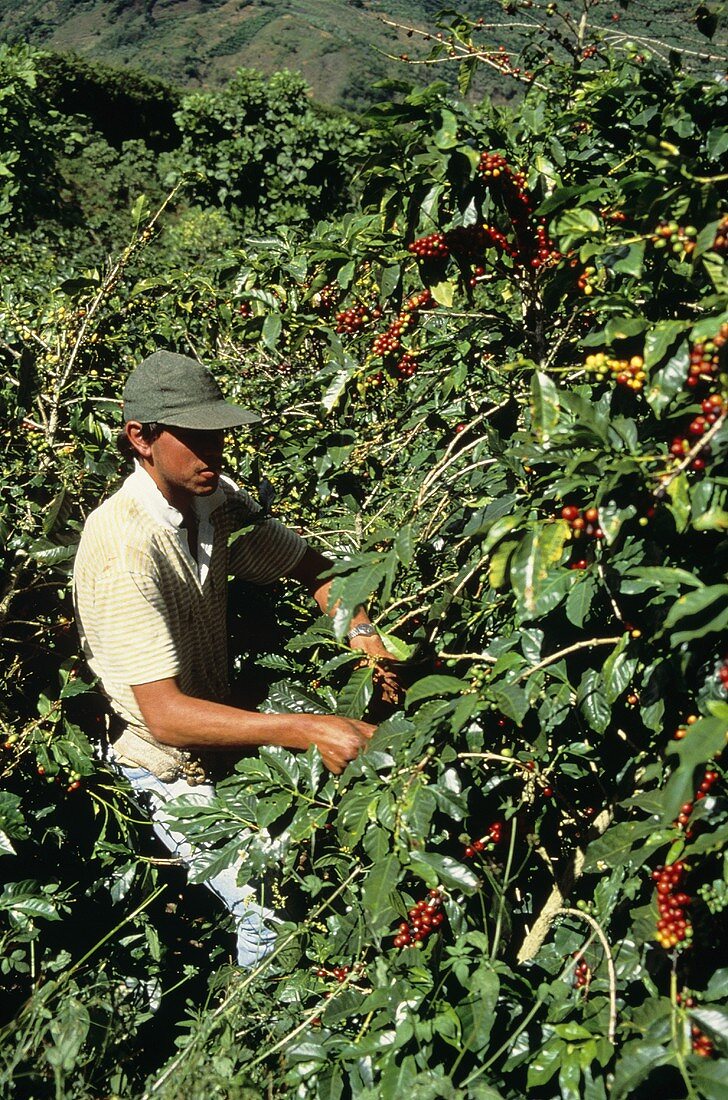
[342,47]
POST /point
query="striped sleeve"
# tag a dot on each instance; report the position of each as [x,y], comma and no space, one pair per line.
[266,552]
[132,629]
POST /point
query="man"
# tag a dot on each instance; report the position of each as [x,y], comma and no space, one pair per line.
[150,587]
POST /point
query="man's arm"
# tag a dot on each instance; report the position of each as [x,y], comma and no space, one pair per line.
[185,722]
[309,572]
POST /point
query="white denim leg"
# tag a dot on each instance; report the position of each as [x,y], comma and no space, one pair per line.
[255,940]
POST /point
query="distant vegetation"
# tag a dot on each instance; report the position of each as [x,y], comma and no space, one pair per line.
[342,47]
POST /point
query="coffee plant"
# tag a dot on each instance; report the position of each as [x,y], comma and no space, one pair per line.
[495,394]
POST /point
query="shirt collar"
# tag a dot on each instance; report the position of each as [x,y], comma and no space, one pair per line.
[140,485]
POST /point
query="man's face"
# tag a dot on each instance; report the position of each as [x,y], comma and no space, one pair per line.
[186,462]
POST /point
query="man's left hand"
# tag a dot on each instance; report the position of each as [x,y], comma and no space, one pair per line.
[387,687]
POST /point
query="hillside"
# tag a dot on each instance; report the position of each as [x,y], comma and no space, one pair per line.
[342,47]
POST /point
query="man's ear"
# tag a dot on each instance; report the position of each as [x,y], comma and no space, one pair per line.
[133,431]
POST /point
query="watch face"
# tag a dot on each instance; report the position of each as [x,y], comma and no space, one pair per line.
[366,630]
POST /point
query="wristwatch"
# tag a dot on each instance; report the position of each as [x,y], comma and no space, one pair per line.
[364,630]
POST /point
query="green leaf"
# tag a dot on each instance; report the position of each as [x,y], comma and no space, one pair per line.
[618,670]
[665,576]
[354,589]
[614,848]
[477,1014]
[580,599]
[545,1062]
[512,701]
[545,406]
[498,567]
[355,696]
[631,262]
[439,870]
[337,387]
[711,1078]
[698,613]
[381,883]
[443,292]
[446,136]
[659,339]
[573,225]
[404,544]
[271,330]
[713,1020]
[668,382]
[592,701]
[678,493]
[430,686]
[538,580]
[356,810]
[637,1062]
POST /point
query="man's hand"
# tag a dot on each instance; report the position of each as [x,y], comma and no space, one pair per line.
[186,722]
[338,739]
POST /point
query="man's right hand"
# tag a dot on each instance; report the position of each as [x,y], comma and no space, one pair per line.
[338,739]
[186,722]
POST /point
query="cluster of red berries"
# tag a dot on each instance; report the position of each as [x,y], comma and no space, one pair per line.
[406,366]
[629,373]
[588,51]
[680,239]
[72,781]
[673,927]
[686,809]
[327,297]
[245,309]
[339,973]
[720,244]
[493,836]
[389,341]
[682,730]
[433,247]
[615,216]
[701,1043]
[354,318]
[722,674]
[705,358]
[535,246]
[582,974]
[543,248]
[584,280]
[713,407]
[583,524]
[494,166]
[502,60]
[424,918]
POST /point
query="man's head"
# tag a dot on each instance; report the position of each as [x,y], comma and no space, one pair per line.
[175,423]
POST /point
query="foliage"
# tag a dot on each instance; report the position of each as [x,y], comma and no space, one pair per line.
[495,391]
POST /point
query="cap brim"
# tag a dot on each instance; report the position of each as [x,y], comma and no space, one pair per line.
[211,417]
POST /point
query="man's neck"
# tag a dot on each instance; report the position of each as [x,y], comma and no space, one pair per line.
[178,498]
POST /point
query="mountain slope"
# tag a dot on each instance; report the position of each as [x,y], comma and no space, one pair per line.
[342,47]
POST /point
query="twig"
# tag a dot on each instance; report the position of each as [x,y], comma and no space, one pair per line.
[561,890]
[597,929]
[243,986]
[703,441]
[587,644]
[107,284]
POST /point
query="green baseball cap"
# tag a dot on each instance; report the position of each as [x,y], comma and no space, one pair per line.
[173,389]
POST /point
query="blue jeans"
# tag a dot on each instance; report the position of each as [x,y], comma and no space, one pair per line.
[255,940]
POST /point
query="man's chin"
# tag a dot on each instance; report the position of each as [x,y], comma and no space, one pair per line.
[207,483]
